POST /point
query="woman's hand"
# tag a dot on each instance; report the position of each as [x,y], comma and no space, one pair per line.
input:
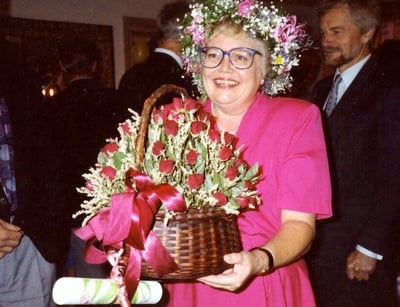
[289,244]
[10,236]
[245,265]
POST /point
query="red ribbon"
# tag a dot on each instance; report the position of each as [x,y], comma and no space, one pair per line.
[129,219]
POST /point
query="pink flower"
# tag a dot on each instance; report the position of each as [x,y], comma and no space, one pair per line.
[231,172]
[110,148]
[171,127]
[225,153]
[197,127]
[109,172]
[89,185]
[245,8]
[166,166]
[221,198]
[195,181]
[191,157]
[125,128]
[158,147]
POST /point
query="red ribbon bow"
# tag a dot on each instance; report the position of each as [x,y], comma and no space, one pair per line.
[129,219]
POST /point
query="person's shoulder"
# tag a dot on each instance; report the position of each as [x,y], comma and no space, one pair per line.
[290,107]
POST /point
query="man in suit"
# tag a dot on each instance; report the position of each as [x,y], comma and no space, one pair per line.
[164,64]
[352,262]
[85,114]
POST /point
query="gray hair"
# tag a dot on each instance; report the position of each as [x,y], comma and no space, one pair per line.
[169,18]
[364,13]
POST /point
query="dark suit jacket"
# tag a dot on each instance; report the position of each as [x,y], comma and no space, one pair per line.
[85,115]
[363,139]
[144,78]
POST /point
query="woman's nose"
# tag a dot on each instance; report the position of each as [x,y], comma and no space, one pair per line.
[225,63]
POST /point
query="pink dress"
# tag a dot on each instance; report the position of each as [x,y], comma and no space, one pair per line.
[284,135]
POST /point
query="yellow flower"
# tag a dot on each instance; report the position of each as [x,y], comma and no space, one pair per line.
[279,60]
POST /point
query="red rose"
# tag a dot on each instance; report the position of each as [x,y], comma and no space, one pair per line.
[228,138]
[221,198]
[159,115]
[177,104]
[195,181]
[243,201]
[191,104]
[214,136]
[197,127]
[125,128]
[109,172]
[225,153]
[248,185]
[166,166]
[231,172]
[191,157]
[158,147]
[109,148]
[171,127]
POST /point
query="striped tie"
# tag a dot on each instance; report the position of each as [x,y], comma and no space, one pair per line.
[332,99]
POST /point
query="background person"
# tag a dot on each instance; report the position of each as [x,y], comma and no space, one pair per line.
[352,260]
[283,135]
[33,228]
[85,114]
[163,66]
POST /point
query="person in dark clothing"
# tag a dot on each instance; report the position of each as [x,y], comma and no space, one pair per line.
[352,261]
[163,66]
[33,229]
[85,114]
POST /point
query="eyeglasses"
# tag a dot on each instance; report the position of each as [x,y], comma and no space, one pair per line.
[240,58]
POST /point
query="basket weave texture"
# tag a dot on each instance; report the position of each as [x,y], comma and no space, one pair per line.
[196,239]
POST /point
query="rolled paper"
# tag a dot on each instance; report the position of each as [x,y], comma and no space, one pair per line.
[88,291]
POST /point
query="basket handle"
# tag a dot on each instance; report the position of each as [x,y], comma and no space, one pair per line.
[146,115]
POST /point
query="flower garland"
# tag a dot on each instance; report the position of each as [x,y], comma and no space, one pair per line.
[284,36]
[183,150]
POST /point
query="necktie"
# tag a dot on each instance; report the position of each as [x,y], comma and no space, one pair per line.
[332,100]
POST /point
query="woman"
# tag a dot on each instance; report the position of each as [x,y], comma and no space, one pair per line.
[283,135]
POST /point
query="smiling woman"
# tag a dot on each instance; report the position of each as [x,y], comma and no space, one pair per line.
[239,52]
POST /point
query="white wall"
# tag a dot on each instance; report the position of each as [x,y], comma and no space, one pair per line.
[102,12]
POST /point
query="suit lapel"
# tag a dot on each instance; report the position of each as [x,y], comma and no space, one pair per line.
[358,94]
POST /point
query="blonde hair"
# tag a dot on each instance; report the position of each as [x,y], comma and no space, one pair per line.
[232,29]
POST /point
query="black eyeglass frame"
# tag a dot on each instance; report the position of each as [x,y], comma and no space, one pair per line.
[253,52]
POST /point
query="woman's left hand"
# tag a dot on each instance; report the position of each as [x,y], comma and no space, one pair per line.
[235,277]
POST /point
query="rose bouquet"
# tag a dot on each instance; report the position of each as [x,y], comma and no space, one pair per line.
[183,150]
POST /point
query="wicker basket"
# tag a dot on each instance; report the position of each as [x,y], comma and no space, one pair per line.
[196,239]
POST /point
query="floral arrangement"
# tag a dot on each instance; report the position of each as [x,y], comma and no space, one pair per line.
[183,150]
[283,35]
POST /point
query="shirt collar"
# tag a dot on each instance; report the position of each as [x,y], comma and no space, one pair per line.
[350,73]
[171,54]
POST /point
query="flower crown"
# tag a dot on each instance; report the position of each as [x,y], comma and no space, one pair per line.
[285,38]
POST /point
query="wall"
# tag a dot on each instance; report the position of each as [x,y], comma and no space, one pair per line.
[104,12]
[107,12]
